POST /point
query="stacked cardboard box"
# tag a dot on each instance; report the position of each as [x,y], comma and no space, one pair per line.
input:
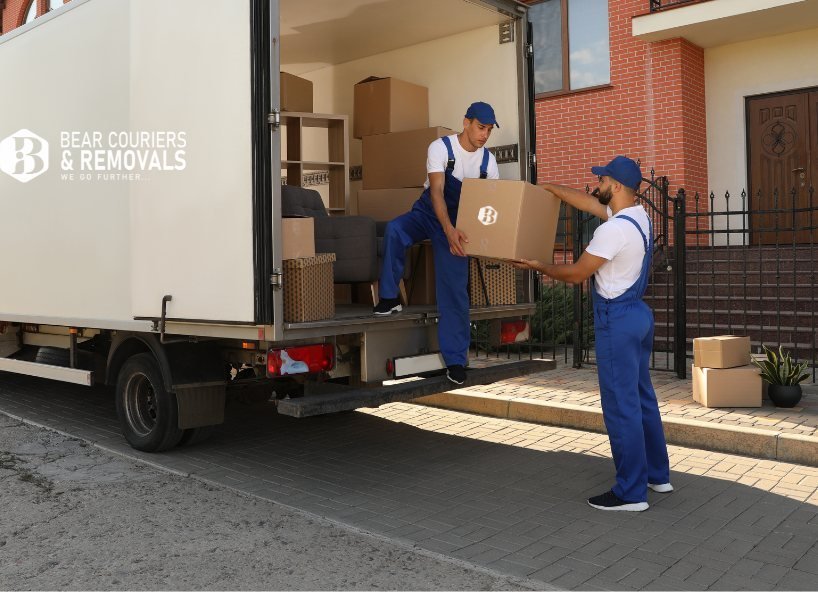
[492,279]
[296,94]
[722,373]
[308,288]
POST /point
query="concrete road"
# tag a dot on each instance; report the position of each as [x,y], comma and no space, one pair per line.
[75,517]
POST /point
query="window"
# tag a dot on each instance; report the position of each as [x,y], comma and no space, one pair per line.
[54,4]
[571,45]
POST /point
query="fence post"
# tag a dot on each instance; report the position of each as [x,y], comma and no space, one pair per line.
[576,245]
[680,284]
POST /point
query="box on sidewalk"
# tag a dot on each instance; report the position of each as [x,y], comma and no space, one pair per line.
[398,159]
[727,387]
[722,351]
[508,219]
[387,204]
[296,94]
[499,279]
[384,105]
[297,238]
[308,289]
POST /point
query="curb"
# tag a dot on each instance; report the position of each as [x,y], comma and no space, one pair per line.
[752,442]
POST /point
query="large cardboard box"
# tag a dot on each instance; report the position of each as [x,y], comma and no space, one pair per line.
[727,387]
[420,287]
[308,288]
[387,204]
[297,238]
[296,94]
[385,105]
[722,351]
[399,159]
[508,219]
[496,279]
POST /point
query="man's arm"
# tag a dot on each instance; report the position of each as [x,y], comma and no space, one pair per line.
[455,237]
[578,199]
[574,273]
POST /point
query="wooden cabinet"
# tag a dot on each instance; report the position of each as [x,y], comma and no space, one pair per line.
[298,163]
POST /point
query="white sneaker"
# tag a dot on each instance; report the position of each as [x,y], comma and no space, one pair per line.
[661,487]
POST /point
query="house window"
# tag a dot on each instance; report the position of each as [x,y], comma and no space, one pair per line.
[571,45]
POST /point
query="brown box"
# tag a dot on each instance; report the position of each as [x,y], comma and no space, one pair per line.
[500,282]
[387,204]
[308,288]
[723,351]
[297,238]
[420,288]
[508,219]
[399,159]
[296,94]
[343,294]
[727,387]
[385,105]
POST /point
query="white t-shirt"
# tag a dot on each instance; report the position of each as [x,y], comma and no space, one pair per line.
[466,164]
[620,243]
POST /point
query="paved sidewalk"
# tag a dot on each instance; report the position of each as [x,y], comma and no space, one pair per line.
[505,495]
[569,397]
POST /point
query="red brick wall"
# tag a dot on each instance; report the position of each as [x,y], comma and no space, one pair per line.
[15,11]
[653,110]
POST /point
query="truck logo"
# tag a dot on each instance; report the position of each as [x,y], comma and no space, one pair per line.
[24,155]
[487,215]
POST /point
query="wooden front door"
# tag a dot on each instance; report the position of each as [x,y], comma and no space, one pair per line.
[783,142]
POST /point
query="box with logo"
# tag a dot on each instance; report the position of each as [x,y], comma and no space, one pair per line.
[387,204]
[508,219]
[308,289]
[722,351]
[296,94]
[727,387]
[399,159]
[385,105]
[297,238]
[492,279]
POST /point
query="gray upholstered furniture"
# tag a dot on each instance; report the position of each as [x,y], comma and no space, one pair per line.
[351,238]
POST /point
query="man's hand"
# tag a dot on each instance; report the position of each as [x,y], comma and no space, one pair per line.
[457,240]
[531,264]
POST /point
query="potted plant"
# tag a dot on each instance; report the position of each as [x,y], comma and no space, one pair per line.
[784,376]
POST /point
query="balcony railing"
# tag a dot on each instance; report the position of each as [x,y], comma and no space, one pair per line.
[657,5]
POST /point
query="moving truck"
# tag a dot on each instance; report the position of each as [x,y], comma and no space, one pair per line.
[141,144]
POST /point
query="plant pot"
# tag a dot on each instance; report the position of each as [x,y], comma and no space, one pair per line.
[784,395]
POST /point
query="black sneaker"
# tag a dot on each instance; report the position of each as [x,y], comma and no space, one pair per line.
[387,306]
[456,374]
[609,501]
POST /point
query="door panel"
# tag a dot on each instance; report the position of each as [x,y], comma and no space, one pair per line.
[781,135]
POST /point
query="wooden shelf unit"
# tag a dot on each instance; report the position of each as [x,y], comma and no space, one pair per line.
[296,163]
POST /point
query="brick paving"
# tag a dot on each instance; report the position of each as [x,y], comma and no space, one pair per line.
[498,493]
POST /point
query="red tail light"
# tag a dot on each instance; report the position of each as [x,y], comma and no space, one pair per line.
[514,332]
[305,359]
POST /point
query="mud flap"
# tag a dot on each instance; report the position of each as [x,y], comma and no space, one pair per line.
[200,404]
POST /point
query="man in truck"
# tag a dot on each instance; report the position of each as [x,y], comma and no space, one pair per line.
[618,257]
[433,216]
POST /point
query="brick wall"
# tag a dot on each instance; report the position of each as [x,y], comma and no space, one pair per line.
[653,110]
[15,11]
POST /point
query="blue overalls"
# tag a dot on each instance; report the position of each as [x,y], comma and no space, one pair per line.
[451,271]
[624,340]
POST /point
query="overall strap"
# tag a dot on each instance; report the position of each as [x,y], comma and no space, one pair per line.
[632,221]
[484,166]
[450,162]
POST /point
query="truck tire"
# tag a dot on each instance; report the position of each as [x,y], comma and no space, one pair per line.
[147,412]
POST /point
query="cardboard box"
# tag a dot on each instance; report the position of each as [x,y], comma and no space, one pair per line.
[297,238]
[398,160]
[296,94]
[385,105]
[727,387]
[420,287]
[508,219]
[308,288]
[500,282]
[342,293]
[723,351]
[387,204]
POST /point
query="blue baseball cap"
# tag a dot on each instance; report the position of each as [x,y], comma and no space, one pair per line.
[622,169]
[482,112]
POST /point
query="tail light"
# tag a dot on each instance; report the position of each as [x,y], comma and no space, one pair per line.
[305,359]
[514,332]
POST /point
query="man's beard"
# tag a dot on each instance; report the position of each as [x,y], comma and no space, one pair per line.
[603,197]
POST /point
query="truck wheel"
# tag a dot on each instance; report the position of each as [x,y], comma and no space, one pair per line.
[147,412]
[193,436]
